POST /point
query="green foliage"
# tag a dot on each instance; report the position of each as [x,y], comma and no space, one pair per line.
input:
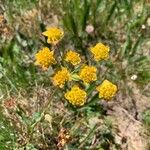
[146,118]
[14,69]
[103,15]
[7,133]
[21,4]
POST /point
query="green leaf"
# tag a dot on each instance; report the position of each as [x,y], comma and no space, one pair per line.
[111,12]
[146,117]
[85,14]
[90,89]
[72,23]
[75,77]
[36,117]
[136,45]
[128,6]
[126,47]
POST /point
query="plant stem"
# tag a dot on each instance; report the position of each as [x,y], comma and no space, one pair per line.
[92,101]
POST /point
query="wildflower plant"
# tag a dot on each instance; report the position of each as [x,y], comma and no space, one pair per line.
[61,77]
[100,52]
[53,35]
[76,96]
[73,57]
[45,58]
[107,90]
[76,80]
[88,74]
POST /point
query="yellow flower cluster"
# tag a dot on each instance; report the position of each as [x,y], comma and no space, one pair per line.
[76,96]
[53,35]
[73,57]
[45,58]
[88,74]
[61,77]
[100,52]
[107,90]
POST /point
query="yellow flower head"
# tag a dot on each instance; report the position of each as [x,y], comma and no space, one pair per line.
[100,52]
[45,58]
[54,35]
[73,57]
[76,96]
[107,90]
[88,74]
[61,77]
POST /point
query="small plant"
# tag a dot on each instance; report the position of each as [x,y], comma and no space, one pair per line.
[72,73]
[78,81]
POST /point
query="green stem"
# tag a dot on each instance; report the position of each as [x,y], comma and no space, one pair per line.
[92,101]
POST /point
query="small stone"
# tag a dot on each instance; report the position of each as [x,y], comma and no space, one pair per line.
[134,77]
[143,26]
